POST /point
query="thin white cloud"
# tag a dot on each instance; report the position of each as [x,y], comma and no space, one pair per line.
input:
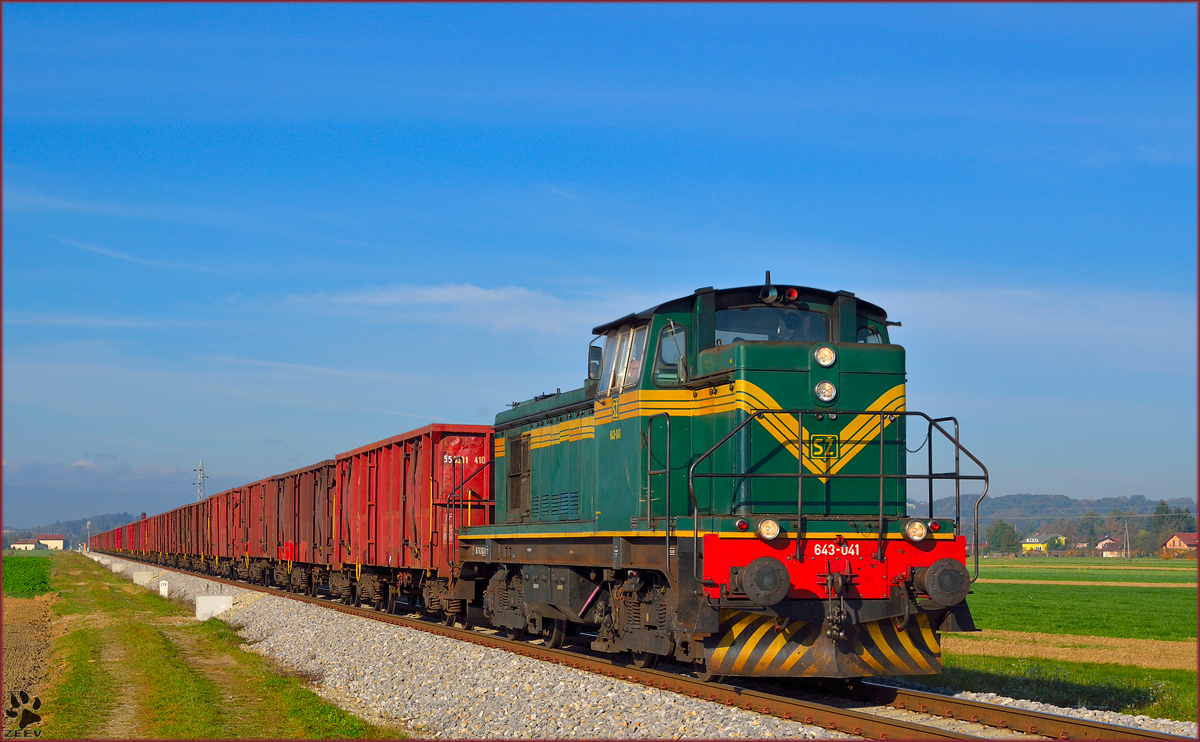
[1074,319]
[250,219]
[52,319]
[122,255]
[504,308]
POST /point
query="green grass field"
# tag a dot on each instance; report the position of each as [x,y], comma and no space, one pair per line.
[26,576]
[1122,612]
[1149,563]
[992,572]
[1131,690]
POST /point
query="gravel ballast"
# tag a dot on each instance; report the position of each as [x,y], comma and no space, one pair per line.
[444,688]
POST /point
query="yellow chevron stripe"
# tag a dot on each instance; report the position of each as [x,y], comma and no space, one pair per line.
[870,659]
[772,651]
[913,652]
[866,426]
[730,637]
[751,643]
[745,396]
[931,640]
[881,643]
[796,656]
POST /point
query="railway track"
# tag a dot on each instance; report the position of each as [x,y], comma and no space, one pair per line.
[886,712]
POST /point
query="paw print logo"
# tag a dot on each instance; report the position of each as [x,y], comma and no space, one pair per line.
[23,708]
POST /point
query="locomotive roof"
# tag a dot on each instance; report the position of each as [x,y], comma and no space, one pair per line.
[739,296]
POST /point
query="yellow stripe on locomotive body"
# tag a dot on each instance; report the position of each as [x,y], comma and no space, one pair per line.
[758,645]
[740,395]
[682,532]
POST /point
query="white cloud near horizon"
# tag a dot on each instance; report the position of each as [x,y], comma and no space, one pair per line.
[503,308]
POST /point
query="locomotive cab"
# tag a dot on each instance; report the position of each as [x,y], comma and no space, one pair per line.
[730,489]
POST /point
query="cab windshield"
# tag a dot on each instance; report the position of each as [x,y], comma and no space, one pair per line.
[759,322]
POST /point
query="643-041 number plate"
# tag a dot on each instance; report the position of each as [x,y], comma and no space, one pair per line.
[831,548]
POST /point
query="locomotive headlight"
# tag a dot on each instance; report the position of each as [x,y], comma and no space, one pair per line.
[826,391]
[825,356]
[915,530]
[768,529]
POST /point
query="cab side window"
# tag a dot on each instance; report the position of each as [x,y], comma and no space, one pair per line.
[869,334]
[672,341]
[623,365]
[637,352]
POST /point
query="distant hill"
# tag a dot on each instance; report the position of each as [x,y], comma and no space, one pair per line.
[1027,511]
[75,530]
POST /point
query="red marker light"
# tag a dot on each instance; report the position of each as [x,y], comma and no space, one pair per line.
[935,526]
[791,294]
[742,524]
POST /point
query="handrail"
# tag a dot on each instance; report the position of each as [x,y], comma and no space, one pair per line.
[650,472]
[801,475]
[456,494]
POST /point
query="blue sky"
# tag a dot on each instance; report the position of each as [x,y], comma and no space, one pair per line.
[262,235]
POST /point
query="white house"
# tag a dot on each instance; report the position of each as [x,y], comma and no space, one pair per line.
[52,540]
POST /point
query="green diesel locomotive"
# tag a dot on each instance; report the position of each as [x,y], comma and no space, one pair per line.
[728,489]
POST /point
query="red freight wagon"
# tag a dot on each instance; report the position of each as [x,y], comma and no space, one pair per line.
[377,525]
[399,504]
[303,513]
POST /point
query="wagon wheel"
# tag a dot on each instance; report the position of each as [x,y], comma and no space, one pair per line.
[644,660]
[447,618]
[554,633]
[515,634]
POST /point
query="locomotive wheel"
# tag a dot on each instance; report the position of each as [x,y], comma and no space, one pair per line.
[704,676]
[554,635]
[645,660]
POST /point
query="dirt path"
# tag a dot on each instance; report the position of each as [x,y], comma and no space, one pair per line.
[239,704]
[1087,582]
[1150,653]
[123,723]
[26,644]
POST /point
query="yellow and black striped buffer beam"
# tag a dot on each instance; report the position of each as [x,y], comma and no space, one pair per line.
[754,644]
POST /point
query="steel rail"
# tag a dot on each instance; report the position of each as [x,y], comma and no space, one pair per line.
[849,721]
[1003,717]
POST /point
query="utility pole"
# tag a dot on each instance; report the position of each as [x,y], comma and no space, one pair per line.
[199,483]
[1126,539]
[89,541]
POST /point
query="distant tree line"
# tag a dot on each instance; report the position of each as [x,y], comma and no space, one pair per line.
[1147,532]
[75,531]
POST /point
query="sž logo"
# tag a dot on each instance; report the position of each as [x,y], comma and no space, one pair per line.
[823,447]
[23,710]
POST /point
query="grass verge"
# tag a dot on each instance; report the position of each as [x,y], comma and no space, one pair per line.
[1167,694]
[138,667]
[83,696]
[1122,612]
[26,577]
